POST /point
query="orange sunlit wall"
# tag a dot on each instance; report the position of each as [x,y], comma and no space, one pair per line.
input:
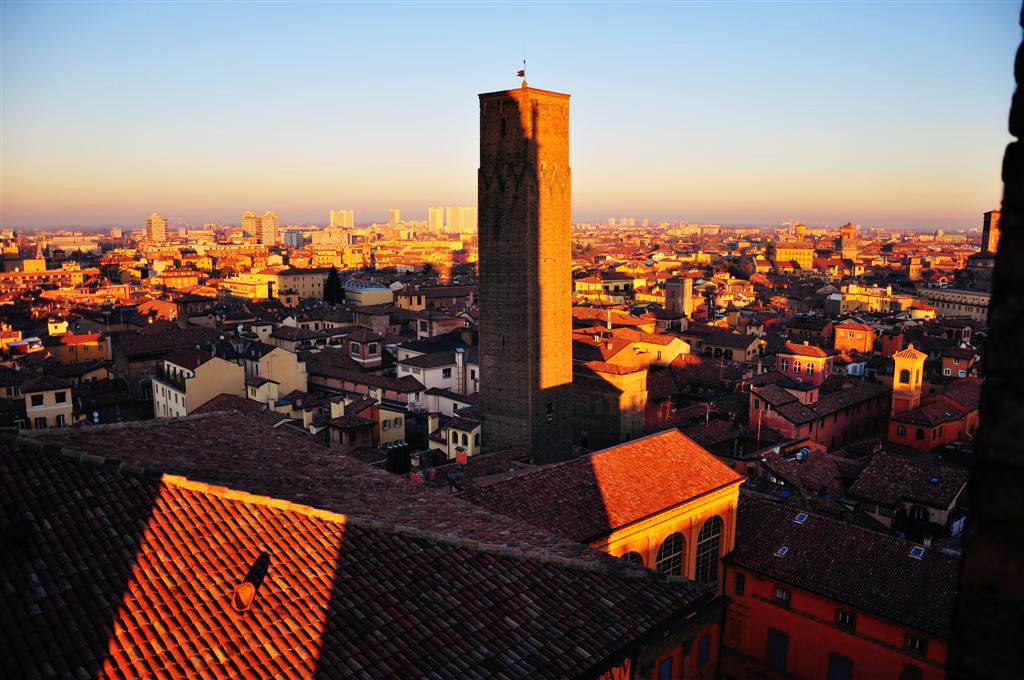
[876,647]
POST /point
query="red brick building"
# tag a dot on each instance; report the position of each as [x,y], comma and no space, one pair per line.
[813,597]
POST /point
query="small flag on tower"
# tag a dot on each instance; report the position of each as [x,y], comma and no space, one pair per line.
[521,73]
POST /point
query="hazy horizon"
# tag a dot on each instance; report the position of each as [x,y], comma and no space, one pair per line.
[882,114]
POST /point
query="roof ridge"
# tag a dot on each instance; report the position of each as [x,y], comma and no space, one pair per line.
[118,466]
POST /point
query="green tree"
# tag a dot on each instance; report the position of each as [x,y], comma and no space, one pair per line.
[333,292]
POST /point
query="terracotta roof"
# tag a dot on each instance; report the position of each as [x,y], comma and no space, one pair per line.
[188,358]
[931,414]
[165,339]
[910,353]
[124,573]
[230,402]
[804,350]
[44,383]
[857,567]
[288,464]
[851,325]
[589,497]
[889,478]
[432,360]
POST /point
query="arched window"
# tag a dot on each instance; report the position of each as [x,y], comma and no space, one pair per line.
[708,542]
[904,377]
[670,556]
[634,558]
[796,366]
[465,439]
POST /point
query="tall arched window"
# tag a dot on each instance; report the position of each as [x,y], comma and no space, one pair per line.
[904,377]
[670,556]
[708,542]
[634,558]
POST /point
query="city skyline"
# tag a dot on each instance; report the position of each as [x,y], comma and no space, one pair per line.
[885,115]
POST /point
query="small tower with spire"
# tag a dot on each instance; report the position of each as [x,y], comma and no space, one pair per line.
[908,367]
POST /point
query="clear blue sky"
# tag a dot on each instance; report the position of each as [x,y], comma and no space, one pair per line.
[880,113]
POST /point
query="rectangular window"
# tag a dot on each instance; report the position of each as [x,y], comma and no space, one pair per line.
[60,397]
[472,374]
[37,400]
[757,403]
[446,372]
[60,420]
[782,596]
[901,430]
[703,650]
[916,644]
[740,584]
[39,423]
[846,619]
[778,643]
[665,667]
[947,371]
[839,667]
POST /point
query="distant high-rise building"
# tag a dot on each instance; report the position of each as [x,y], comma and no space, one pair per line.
[156,228]
[116,232]
[394,217]
[611,221]
[435,218]
[525,283]
[800,230]
[461,219]
[990,231]
[251,223]
[342,219]
[268,228]
[849,244]
[645,222]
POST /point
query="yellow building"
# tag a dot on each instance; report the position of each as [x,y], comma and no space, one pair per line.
[662,501]
[188,378]
[47,402]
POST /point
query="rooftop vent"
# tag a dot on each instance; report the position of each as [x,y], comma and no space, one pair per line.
[800,518]
[917,552]
[245,592]
[781,552]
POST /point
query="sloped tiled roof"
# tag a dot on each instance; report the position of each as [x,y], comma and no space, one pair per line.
[804,350]
[589,497]
[126,574]
[910,353]
[848,564]
[888,478]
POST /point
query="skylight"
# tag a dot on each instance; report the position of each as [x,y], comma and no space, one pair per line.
[800,518]
[781,552]
[917,552]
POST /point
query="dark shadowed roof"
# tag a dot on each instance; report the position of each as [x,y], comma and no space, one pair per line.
[851,565]
[890,478]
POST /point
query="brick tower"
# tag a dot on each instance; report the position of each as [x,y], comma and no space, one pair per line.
[525,284]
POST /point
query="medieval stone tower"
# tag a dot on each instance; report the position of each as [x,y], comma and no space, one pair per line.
[525,285]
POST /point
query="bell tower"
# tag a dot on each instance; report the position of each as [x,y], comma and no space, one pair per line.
[907,379]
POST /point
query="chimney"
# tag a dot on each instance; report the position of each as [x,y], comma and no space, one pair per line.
[433,422]
[338,408]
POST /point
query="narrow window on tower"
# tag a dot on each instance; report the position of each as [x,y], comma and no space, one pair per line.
[504,127]
[551,412]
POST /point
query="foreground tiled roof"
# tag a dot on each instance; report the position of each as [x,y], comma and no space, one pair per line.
[851,565]
[117,572]
[286,463]
[587,498]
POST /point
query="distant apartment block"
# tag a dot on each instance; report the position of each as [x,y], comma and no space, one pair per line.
[342,219]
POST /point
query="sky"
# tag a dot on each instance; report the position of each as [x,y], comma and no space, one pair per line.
[884,114]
